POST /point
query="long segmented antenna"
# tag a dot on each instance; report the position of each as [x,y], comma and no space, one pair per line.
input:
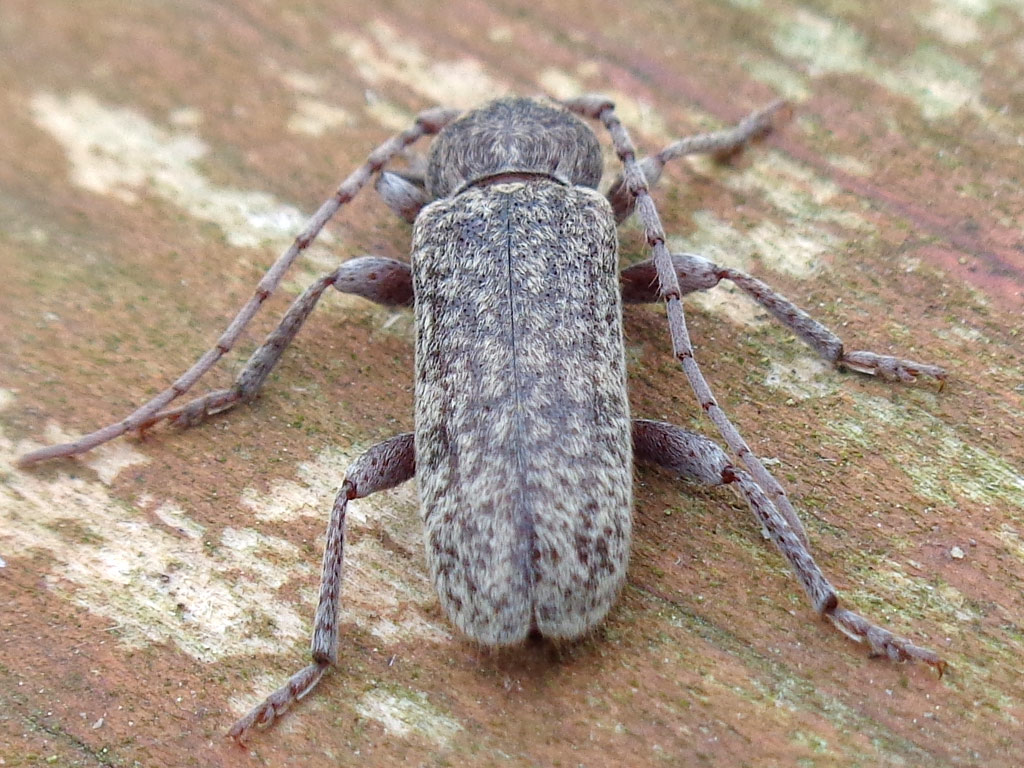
[721,144]
[599,108]
[427,123]
[763,490]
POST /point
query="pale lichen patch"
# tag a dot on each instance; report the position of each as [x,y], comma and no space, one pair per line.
[1012,539]
[263,554]
[944,604]
[854,166]
[500,34]
[795,190]
[825,45]
[173,517]
[803,378]
[943,467]
[386,586]
[795,250]
[387,56]
[560,83]
[386,113]
[952,25]
[935,81]
[588,68]
[728,301]
[302,82]
[967,333]
[791,249]
[158,576]
[313,492]
[117,151]
[311,495]
[389,593]
[410,625]
[185,117]
[786,81]
[404,713]
[975,7]
[640,116]
[315,118]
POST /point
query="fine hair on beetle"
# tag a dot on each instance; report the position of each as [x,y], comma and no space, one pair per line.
[523,444]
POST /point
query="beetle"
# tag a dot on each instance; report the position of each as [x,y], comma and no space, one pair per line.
[524,444]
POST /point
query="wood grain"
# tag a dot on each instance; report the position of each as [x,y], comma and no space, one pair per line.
[154,159]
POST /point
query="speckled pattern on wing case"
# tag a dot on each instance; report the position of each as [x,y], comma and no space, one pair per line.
[523,447]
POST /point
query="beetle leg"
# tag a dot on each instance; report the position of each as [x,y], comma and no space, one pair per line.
[695,273]
[383,466]
[427,123]
[700,460]
[694,457]
[671,293]
[384,281]
[404,193]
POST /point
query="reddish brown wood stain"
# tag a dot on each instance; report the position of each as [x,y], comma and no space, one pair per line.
[712,656]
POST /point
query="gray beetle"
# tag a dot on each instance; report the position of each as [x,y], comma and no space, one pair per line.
[524,446]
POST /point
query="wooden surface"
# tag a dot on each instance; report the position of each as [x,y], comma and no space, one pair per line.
[155,157]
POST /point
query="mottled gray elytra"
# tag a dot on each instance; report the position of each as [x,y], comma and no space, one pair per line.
[524,445]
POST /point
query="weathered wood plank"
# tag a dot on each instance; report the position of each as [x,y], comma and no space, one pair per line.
[155,158]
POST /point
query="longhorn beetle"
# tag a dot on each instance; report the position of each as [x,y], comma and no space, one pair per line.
[523,443]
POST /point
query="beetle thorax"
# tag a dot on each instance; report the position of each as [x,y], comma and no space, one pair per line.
[513,136]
